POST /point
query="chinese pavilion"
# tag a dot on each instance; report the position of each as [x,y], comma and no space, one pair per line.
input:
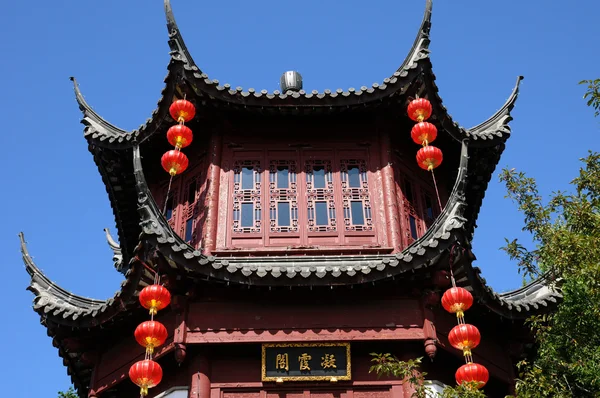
[294,245]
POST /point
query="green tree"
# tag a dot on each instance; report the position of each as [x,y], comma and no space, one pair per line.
[566,231]
[592,94]
[70,393]
[389,365]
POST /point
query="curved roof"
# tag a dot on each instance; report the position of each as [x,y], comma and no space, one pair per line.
[415,70]
[352,96]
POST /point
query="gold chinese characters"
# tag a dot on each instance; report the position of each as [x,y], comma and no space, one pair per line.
[303,359]
[328,361]
[282,362]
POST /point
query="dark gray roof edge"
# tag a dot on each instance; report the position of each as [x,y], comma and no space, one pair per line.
[541,295]
[42,287]
[309,269]
[93,121]
[99,132]
[65,308]
[541,285]
[496,126]
[117,252]
[418,51]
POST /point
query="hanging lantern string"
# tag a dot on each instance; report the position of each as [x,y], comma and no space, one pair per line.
[167,196]
[451,264]
[153,271]
[437,193]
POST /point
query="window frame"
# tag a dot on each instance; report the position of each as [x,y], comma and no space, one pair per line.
[301,159]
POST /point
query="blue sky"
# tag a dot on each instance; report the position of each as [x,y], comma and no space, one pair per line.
[118,50]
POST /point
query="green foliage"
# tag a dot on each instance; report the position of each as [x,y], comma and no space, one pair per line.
[567,236]
[70,393]
[388,365]
[592,94]
[566,231]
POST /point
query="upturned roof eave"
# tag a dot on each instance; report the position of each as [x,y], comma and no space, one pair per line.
[182,69]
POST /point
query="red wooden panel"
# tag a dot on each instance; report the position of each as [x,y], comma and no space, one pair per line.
[241,394]
[375,393]
[288,335]
[340,209]
[285,394]
[382,314]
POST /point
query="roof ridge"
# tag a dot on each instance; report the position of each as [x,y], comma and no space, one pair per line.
[180,52]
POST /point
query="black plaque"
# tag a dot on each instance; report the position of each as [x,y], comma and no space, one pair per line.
[306,361]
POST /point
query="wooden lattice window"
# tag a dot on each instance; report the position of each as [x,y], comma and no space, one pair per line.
[419,208]
[283,201]
[320,198]
[247,210]
[302,198]
[355,195]
[184,204]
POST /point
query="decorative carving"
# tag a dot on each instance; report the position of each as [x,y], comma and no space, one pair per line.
[180,353]
[117,253]
[283,196]
[247,194]
[430,348]
[355,195]
[320,196]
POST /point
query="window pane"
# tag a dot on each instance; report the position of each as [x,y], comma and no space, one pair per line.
[283,214]
[413,227]
[353,177]
[247,178]
[247,214]
[358,217]
[282,177]
[189,229]
[191,192]
[321,210]
[318,177]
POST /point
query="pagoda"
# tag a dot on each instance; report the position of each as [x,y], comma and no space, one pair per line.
[302,237]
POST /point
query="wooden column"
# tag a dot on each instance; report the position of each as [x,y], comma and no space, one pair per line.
[200,383]
[389,193]
[429,300]
[209,232]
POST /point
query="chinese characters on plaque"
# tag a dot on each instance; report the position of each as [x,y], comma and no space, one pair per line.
[296,362]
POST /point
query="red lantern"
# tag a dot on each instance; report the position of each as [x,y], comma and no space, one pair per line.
[180,136]
[470,372]
[429,157]
[464,337]
[423,133]
[419,109]
[182,111]
[457,300]
[174,162]
[155,298]
[146,374]
[150,334]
